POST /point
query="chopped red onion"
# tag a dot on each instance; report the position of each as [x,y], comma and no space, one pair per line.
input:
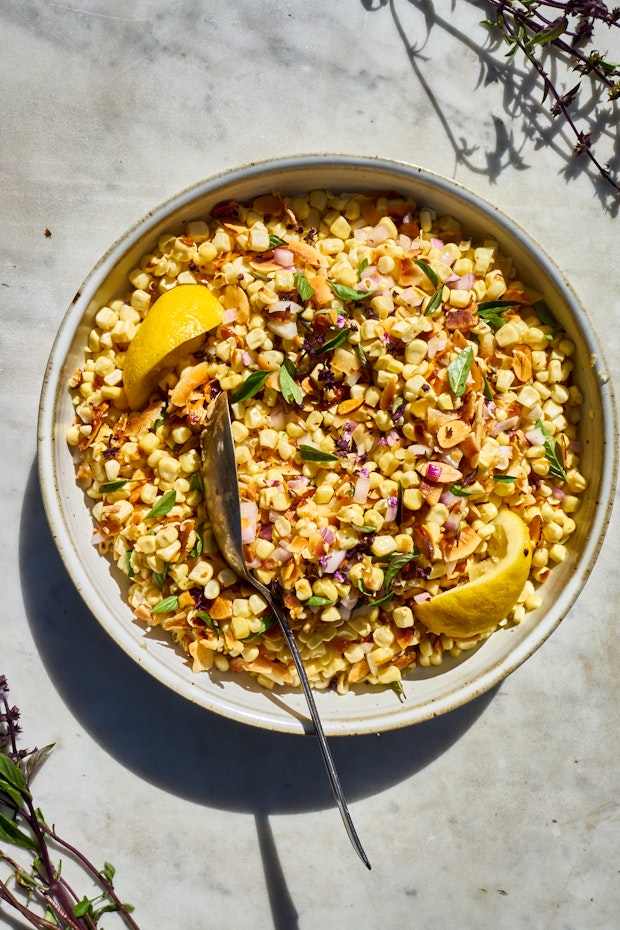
[422,597]
[97,538]
[503,426]
[378,235]
[433,471]
[286,329]
[281,554]
[535,437]
[437,243]
[283,256]
[332,562]
[362,487]
[411,296]
[328,534]
[391,510]
[449,499]
[230,315]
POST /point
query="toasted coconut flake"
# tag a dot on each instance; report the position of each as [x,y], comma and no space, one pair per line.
[308,253]
[194,377]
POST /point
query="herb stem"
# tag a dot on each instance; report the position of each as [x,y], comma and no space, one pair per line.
[514,33]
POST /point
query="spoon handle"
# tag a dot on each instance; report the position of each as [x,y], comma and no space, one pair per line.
[318,726]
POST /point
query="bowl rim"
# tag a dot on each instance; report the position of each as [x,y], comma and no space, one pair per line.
[48,478]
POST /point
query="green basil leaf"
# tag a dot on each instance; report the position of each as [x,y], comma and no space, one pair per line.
[160,577]
[83,907]
[459,491]
[304,288]
[11,833]
[265,624]
[435,302]
[108,487]
[486,390]
[362,355]
[396,565]
[11,774]
[251,386]
[163,506]
[167,605]
[291,391]
[363,265]
[553,454]
[317,601]
[312,454]
[336,341]
[490,311]
[459,369]
[504,479]
[549,33]
[195,482]
[544,314]
[428,271]
[197,550]
[487,305]
[350,293]
[108,871]
[275,241]
[130,572]
[208,619]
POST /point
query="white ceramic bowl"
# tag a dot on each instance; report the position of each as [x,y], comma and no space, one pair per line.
[431,692]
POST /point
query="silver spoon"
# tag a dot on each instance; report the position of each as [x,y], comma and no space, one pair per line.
[222,499]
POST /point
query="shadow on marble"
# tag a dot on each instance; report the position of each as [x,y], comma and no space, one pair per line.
[526,118]
[180,747]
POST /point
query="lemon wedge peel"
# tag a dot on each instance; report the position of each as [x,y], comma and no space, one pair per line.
[177,319]
[477,606]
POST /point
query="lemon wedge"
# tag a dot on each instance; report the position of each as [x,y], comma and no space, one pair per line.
[173,326]
[478,605]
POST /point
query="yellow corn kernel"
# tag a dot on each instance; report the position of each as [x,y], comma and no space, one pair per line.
[330,615]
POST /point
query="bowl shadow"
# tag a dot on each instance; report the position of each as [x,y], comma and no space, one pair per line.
[180,747]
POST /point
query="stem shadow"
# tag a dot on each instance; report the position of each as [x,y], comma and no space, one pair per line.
[526,119]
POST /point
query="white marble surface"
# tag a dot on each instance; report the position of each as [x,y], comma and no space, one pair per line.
[503,814]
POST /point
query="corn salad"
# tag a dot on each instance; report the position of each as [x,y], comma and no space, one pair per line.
[394,385]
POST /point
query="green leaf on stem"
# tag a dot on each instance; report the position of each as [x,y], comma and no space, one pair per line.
[163,506]
[291,390]
[317,601]
[312,454]
[166,605]
[553,453]
[336,341]
[350,294]
[428,271]
[266,623]
[10,833]
[251,386]
[304,288]
[458,370]
[435,302]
